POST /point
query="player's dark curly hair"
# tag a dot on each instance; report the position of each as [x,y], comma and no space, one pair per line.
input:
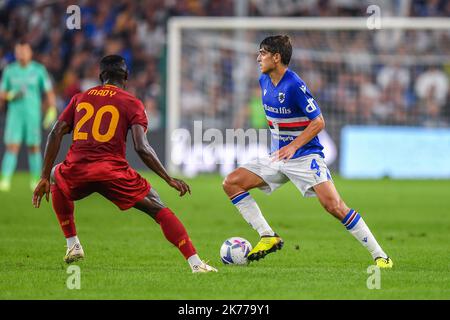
[278,44]
[113,67]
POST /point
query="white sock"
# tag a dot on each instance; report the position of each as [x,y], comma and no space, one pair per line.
[71,241]
[358,228]
[194,261]
[249,209]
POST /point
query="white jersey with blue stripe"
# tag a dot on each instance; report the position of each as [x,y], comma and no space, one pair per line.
[289,108]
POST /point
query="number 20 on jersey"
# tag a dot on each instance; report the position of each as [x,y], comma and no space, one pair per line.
[98,117]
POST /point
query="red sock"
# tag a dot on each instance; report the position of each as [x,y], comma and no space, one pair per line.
[175,232]
[64,211]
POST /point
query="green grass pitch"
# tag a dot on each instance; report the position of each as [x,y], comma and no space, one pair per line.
[127,257]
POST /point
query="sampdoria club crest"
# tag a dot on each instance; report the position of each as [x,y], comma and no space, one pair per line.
[281,97]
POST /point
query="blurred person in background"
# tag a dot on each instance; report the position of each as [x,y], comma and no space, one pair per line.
[252,115]
[431,88]
[22,85]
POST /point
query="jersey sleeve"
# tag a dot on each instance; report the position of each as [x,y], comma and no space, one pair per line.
[137,114]
[44,80]
[4,86]
[69,112]
[305,101]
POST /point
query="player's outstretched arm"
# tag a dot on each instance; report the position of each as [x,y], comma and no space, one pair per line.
[151,160]
[51,151]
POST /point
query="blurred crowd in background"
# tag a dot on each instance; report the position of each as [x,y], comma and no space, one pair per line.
[367,89]
[357,77]
[389,77]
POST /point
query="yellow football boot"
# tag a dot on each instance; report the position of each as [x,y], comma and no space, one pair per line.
[384,263]
[266,245]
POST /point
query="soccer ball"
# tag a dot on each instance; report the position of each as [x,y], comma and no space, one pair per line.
[235,250]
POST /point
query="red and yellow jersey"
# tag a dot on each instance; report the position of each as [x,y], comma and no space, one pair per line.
[100,119]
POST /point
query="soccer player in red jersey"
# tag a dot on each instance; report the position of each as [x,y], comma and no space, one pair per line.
[100,119]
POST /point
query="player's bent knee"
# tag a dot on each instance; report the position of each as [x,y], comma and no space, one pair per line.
[34,149]
[13,148]
[228,181]
[232,182]
[150,204]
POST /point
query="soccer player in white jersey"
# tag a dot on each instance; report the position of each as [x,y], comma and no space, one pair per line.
[295,119]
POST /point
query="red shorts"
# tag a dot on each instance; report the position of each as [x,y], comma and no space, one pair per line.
[124,192]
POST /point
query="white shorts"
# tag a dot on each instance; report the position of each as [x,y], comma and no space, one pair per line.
[304,172]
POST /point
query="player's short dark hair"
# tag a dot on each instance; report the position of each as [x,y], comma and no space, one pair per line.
[113,67]
[22,42]
[278,44]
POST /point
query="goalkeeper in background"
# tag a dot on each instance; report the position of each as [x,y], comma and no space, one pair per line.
[22,85]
